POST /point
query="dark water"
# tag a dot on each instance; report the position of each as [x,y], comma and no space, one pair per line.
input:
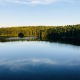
[24,59]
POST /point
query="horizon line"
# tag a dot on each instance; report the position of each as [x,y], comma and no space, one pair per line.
[37,25]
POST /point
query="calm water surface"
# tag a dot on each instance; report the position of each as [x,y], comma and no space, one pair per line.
[39,60]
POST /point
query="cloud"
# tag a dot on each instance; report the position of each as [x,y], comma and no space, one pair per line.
[28,1]
[34,2]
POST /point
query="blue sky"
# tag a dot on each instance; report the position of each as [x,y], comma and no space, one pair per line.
[39,12]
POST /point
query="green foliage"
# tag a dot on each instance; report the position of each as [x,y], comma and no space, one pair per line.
[71,31]
[42,31]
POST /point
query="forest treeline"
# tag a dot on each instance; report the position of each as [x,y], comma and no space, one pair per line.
[69,31]
[51,32]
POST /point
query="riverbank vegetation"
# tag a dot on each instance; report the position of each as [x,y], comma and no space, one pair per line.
[50,32]
[70,31]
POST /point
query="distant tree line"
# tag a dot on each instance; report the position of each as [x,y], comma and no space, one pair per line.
[70,31]
[50,32]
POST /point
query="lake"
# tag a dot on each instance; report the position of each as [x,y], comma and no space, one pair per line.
[34,59]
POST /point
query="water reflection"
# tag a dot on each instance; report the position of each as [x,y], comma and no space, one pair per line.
[32,59]
[73,41]
[12,39]
[23,64]
[35,69]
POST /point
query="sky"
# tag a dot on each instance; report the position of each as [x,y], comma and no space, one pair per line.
[39,12]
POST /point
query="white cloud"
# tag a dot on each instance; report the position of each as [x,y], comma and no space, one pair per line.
[28,1]
[35,1]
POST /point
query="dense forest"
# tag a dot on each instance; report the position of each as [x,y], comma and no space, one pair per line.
[50,32]
[69,31]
